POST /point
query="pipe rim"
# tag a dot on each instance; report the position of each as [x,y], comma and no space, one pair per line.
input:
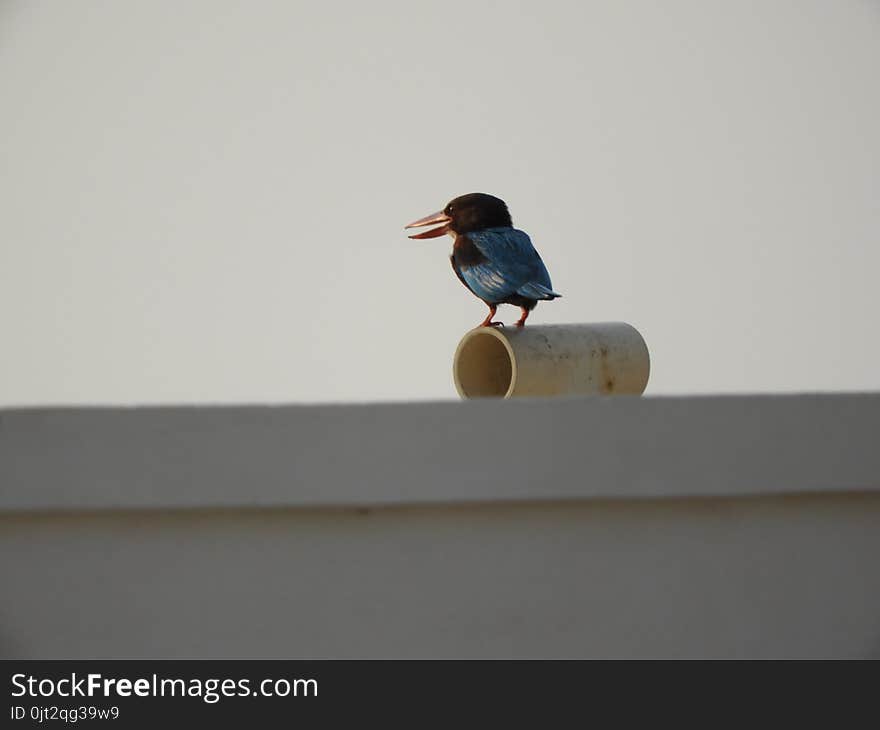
[473,334]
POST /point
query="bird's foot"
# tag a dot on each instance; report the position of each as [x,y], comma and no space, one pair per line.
[491,324]
[521,323]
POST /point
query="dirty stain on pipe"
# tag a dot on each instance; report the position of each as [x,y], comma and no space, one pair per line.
[607,358]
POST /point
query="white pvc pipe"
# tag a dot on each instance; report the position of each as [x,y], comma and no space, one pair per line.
[545,360]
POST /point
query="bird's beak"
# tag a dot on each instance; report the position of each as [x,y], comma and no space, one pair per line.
[438,217]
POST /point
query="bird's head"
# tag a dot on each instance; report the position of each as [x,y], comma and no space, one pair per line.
[471,212]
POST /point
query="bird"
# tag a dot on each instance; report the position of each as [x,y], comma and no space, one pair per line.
[495,261]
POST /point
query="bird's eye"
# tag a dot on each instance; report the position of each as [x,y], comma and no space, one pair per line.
[448,210]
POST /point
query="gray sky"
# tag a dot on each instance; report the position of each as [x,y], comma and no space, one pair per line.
[204,201]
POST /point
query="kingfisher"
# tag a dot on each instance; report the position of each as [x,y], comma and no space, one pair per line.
[494,260]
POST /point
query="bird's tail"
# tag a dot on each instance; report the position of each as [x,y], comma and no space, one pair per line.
[537,291]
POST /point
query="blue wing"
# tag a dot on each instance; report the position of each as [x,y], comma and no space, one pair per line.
[512,266]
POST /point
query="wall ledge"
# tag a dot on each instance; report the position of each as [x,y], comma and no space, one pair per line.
[184,457]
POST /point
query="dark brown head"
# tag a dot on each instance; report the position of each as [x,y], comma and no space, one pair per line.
[466,213]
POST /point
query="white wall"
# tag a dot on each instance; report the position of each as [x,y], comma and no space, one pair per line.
[793,577]
[613,527]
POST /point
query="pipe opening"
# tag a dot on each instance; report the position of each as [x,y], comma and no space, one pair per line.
[484,366]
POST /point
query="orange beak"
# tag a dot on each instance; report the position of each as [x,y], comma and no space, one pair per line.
[439,217]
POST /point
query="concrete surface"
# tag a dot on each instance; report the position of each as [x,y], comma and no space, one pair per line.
[437,452]
[718,527]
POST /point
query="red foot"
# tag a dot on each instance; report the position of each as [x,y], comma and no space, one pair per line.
[491,324]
